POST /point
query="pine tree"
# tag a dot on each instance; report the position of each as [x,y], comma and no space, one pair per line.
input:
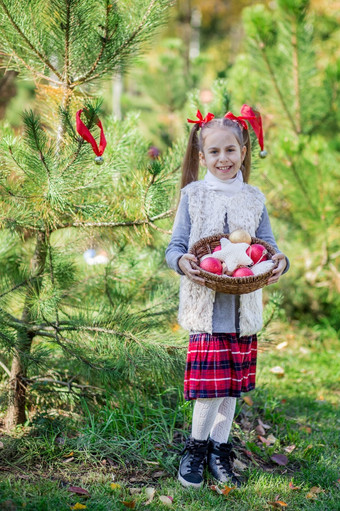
[290,71]
[56,203]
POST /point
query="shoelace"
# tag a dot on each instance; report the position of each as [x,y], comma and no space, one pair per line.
[197,457]
[226,456]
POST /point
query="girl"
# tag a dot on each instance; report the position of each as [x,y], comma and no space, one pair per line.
[221,359]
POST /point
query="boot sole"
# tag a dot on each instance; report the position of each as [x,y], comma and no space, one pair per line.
[187,484]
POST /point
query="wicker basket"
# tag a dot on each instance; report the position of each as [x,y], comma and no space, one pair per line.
[224,283]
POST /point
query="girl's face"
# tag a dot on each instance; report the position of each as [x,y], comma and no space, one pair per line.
[222,154]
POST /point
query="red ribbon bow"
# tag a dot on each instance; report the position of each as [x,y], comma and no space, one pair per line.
[84,132]
[254,119]
[202,121]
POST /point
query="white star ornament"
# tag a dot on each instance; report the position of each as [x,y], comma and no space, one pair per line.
[233,254]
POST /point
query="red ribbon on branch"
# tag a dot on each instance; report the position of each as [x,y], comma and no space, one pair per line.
[200,120]
[254,119]
[84,132]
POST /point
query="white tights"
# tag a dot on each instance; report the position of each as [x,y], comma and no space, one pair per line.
[213,416]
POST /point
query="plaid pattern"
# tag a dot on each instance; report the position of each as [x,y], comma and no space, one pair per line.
[220,365]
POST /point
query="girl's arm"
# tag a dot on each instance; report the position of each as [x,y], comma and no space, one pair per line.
[264,232]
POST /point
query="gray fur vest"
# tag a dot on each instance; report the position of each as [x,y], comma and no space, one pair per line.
[207,210]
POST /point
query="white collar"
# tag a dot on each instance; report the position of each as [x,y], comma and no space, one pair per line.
[229,187]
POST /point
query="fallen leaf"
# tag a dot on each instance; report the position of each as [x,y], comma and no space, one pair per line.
[308,447]
[78,490]
[227,489]
[307,429]
[150,493]
[292,487]
[78,506]
[239,465]
[159,473]
[314,491]
[1,445]
[135,491]
[167,501]
[289,448]
[265,426]
[278,503]
[321,398]
[68,455]
[263,440]
[131,504]
[280,459]
[115,486]
[278,371]
[282,345]
[68,459]
[271,438]
[215,488]
[304,350]
[248,400]
[260,430]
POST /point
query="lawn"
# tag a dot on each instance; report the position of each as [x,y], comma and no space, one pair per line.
[127,451]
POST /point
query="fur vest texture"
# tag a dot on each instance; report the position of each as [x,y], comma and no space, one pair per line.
[207,210]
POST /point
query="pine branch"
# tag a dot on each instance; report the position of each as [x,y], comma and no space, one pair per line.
[42,57]
[147,221]
[104,42]
[68,384]
[119,50]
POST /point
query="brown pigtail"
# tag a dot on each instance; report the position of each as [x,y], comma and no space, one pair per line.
[246,166]
[191,159]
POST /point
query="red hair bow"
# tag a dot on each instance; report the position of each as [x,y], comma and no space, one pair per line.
[254,119]
[202,121]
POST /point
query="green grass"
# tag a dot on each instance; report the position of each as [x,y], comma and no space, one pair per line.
[134,441]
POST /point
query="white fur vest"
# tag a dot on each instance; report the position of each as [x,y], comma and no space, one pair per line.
[207,210]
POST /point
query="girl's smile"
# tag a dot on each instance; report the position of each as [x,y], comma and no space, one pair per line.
[222,154]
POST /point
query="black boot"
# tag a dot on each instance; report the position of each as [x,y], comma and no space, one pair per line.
[191,467]
[220,462]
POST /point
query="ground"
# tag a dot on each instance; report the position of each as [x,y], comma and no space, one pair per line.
[111,459]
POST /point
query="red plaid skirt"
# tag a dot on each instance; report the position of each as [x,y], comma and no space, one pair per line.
[220,365]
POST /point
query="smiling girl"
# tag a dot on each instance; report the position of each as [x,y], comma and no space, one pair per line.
[221,359]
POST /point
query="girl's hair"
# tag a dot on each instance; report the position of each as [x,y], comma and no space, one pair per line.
[195,145]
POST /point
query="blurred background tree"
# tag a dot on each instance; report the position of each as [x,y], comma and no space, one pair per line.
[290,70]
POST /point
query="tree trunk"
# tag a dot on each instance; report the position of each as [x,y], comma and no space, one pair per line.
[17,386]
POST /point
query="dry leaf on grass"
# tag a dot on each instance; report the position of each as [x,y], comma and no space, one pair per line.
[263,440]
[150,493]
[159,473]
[227,489]
[68,459]
[131,504]
[78,506]
[115,486]
[278,371]
[314,491]
[271,438]
[166,500]
[282,345]
[260,430]
[248,400]
[306,429]
[78,490]
[278,504]
[292,487]
[265,426]
[135,491]
[1,445]
[280,459]
[289,448]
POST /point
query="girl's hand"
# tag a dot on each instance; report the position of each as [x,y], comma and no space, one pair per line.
[185,266]
[280,268]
